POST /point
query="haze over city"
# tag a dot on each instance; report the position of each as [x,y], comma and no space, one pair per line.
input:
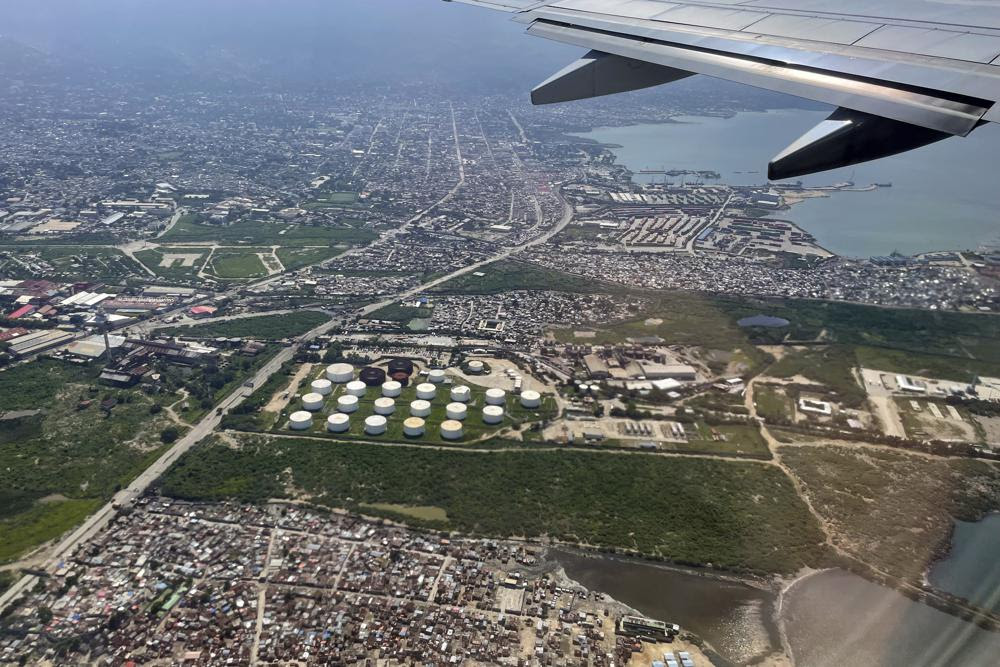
[321,344]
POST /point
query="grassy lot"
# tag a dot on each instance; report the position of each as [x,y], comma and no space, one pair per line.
[230,265]
[70,262]
[264,327]
[397,312]
[296,258]
[425,513]
[257,233]
[733,515]
[773,403]
[512,275]
[44,522]
[893,510]
[474,428]
[738,439]
[73,452]
[332,200]
[832,366]
[959,369]
[153,257]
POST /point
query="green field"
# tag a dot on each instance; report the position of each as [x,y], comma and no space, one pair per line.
[296,258]
[153,258]
[511,275]
[893,510]
[230,265]
[257,233]
[474,428]
[397,312]
[733,515]
[264,327]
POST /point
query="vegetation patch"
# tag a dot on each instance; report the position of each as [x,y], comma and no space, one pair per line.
[258,233]
[296,258]
[893,510]
[69,262]
[511,275]
[425,513]
[238,265]
[733,515]
[264,327]
[831,366]
[73,450]
[44,522]
[397,312]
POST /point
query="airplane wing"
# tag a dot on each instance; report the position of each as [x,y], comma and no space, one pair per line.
[902,73]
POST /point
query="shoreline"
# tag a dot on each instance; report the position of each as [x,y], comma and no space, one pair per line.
[776,656]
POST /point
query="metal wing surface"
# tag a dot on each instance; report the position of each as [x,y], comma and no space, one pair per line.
[902,73]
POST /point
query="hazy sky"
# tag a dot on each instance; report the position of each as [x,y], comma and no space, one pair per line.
[288,40]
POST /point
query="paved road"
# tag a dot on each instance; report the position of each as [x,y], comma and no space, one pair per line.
[100,519]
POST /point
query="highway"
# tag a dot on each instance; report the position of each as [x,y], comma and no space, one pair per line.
[100,519]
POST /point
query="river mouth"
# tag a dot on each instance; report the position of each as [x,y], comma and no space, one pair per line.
[735,619]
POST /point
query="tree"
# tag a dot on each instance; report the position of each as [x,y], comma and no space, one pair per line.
[169,435]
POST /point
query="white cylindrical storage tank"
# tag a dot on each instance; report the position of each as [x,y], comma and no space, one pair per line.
[413,427]
[531,399]
[347,403]
[375,425]
[322,387]
[436,376]
[420,408]
[300,421]
[451,430]
[492,414]
[338,422]
[476,366]
[426,391]
[392,389]
[456,411]
[461,394]
[384,406]
[356,388]
[340,373]
[312,402]
[496,397]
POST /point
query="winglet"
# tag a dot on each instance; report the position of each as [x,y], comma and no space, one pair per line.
[848,137]
[599,73]
[503,5]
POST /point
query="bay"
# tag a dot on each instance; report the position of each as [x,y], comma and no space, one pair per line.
[835,618]
[945,196]
[972,567]
[734,618]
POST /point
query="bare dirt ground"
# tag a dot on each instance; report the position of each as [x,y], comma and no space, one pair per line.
[277,403]
[991,425]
